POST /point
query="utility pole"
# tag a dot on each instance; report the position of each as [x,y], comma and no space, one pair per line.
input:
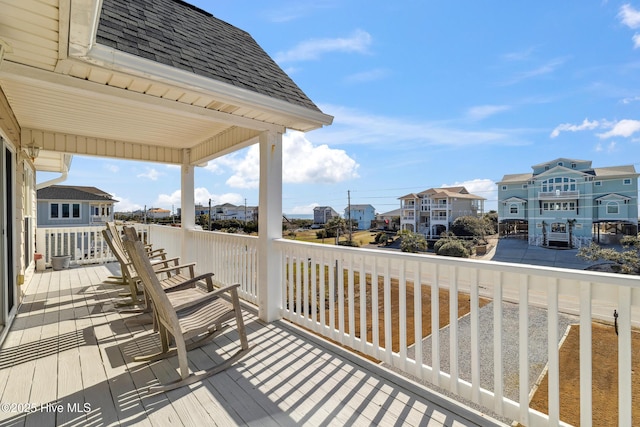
[209,228]
[349,212]
[245,211]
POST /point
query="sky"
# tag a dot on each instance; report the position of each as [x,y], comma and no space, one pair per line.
[423,94]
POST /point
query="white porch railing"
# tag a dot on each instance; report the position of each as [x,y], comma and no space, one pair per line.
[338,279]
[323,287]
[232,257]
[84,245]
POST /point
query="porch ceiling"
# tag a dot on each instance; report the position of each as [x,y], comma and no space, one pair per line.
[73,96]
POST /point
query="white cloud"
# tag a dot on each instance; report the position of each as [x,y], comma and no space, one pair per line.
[303,210]
[125,205]
[483,111]
[168,200]
[367,76]
[302,162]
[630,99]
[519,55]
[111,167]
[542,70]
[358,42]
[568,127]
[636,40]
[352,126]
[609,148]
[629,16]
[624,128]
[151,174]
[482,187]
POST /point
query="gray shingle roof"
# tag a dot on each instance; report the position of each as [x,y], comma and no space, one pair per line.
[180,35]
[71,192]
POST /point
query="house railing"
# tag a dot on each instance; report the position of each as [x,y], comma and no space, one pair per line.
[558,194]
[323,287]
[84,245]
[232,257]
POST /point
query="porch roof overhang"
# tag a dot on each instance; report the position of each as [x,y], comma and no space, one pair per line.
[71,95]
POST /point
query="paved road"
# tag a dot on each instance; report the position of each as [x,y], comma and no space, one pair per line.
[519,251]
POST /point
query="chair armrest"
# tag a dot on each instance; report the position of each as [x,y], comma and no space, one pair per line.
[206,297]
[190,283]
[177,268]
[153,255]
[166,262]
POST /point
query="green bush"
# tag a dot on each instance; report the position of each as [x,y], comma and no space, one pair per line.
[381,238]
[412,242]
[453,248]
[472,226]
[438,244]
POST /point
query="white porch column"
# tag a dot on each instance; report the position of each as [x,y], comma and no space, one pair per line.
[187,202]
[270,226]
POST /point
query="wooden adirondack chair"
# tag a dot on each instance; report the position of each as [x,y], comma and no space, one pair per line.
[114,241]
[198,319]
[173,275]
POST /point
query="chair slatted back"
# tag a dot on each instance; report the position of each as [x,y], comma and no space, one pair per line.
[161,304]
[121,256]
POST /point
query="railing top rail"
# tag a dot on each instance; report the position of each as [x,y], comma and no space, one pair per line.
[526,269]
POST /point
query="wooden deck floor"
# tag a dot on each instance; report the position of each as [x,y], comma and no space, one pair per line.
[67,360]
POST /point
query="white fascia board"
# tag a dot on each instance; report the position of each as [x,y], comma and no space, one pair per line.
[110,58]
[84,16]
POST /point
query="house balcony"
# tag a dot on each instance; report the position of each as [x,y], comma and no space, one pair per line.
[320,290]
[552,195]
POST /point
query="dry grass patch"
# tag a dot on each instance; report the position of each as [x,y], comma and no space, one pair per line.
[605,378]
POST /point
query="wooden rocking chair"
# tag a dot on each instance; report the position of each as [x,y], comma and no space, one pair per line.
[200,319]
[173,276]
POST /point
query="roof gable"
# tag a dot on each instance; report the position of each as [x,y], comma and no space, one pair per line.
[177,34]
[515,200]
[561,161]
[561,170]
[612,196]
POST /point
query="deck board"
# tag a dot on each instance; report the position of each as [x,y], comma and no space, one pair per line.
[70,346]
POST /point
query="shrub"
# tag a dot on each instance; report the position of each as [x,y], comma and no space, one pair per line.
[472,226]
[413,242]
[454,248]
[381,238]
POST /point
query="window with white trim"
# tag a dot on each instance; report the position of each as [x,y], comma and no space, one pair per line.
[64,210]
[626,181]
[613,208]
[558,183]
[513,208]
[559,206]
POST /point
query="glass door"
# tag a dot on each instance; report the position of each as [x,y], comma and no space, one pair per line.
[7,238]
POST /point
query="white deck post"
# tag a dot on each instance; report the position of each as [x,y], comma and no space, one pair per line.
[270,226]
[187,203]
